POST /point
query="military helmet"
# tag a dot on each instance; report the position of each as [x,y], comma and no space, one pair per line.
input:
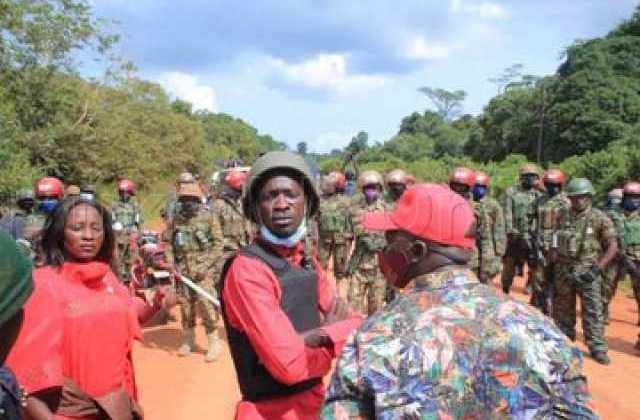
[72,190]
[25,194]
[236,179]
[464,176]
[482,179]
[554,176]
[370,178]
[529,169]
[616,193]
[272,162]
[631,188]
[579,186]
[397,176]
[127,185]
[190,190]
[50,187]
[186,178]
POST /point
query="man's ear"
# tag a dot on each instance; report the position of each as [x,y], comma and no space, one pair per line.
[419,250]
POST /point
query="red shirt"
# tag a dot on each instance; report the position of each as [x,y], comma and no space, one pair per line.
[80,323]
[252,305]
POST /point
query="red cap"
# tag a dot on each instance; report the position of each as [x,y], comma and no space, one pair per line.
[482,179]
[127,185]
[554,176]
[429,211]
[50,187]
[236,179]
[632,188]
[463,176]
[339,179]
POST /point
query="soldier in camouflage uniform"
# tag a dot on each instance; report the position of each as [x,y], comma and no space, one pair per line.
[171,207]
[334,225]
[615,271]
[518,213]
[491,239]
[396,183]
[14,221]
[586,245]
[127,214]
[461,181]
[49,191]
[631,252]
[236,229]
[367,286]
[548,211]
[197,244]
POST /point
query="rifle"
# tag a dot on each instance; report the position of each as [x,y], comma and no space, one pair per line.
[199,290]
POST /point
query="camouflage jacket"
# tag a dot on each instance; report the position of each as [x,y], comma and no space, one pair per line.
[368,243]
[236,229]
[618,218]
[548,211]
[518,210]
[583,237]
[333,218]
[631,225]
[491,239]
[456,349]
[128,214]
[197,245]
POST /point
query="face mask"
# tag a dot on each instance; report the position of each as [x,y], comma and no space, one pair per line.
[48,205]
[630,204]
[289,241]
[552,189]
[614,203]
[371,195]
[394,264]
[396,191]
[528,182]
[125,197]
[189,207]
[479,191]
[26,205]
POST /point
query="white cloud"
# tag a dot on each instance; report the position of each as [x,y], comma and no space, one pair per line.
[328,72]
[418,48]
[187,88]
[484,9]
[330,140]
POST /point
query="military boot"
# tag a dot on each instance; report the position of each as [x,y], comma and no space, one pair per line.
[188,337]
[214,347]
[601,357]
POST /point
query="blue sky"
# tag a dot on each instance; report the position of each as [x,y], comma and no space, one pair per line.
[321,70]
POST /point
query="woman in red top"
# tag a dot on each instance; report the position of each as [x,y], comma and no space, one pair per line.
[73,355]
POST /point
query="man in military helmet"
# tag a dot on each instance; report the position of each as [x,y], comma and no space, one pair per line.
[491,239]
[461,181]
[396,183]
[49,192]
[14,222]
[284,321]
[548,211]
[616,270]
[631,252]
[171,207]
[236,228]
[197,244]
[367,287]
[126,214]
[586,246]
[334,225]
[518,215]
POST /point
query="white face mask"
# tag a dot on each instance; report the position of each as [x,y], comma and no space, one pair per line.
[289,241]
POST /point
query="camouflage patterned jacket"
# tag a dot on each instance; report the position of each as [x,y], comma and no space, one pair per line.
[197,245]
[583,237]
[518,210]
[631,224]
[334,222]
[617,217]
[456,349]
[548,211]
[491,239]
[236,229]
[367,243]
[128,214]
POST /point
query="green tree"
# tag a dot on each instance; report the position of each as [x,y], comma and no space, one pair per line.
[448,103]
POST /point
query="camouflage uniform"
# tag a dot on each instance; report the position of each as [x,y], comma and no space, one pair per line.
[236,229]
[615,271]
[518,212]
[451,348]
[491,239]
[335,233]
[632,253]
[367,285]
[128,214]
[582,239]
[548,211]
[197,249]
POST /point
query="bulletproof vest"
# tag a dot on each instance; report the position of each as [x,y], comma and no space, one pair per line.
[191,235]
[522,209]
[10,395]
[333,218]
[126,214]
[299,302]
[632,231]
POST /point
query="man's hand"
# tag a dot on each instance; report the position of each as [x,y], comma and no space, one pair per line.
[316,338]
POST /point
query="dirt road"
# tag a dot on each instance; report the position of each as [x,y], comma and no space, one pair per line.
[174,388]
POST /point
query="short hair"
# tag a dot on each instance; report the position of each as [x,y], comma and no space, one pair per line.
[53,235]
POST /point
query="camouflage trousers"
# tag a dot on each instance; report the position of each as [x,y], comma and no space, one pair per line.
[367,289]
[614,274]
[124,262]
[486,270]
[191,303]
[564,306]
[339,250]
[542,285]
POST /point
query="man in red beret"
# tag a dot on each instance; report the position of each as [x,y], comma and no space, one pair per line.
[449,346]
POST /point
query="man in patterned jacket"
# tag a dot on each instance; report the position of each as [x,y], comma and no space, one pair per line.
[450,347]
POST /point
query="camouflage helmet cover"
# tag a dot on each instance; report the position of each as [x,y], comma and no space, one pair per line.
[397,176]
[529,169]
[580,186]
[370,178]
[190,190]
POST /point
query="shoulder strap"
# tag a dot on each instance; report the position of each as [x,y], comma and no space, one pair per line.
[263,252]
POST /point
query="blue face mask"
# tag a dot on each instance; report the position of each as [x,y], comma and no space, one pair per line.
[630,204]
[479,191]
[552,189]
[48,205]
[289,241]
